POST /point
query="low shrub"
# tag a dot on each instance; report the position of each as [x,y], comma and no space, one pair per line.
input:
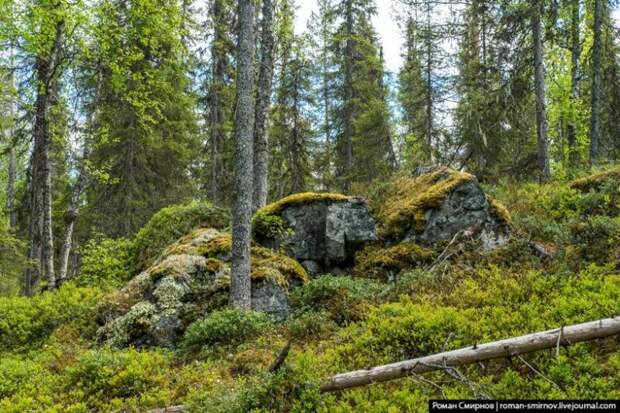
[346,299]
[105,262]
[27,322]
[227,326]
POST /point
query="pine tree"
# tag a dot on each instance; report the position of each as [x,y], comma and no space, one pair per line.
[240,283]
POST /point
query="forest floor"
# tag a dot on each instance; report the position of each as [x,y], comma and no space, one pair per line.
[51,360]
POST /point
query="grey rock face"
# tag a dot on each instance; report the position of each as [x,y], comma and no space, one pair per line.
[325,234]
[465,208]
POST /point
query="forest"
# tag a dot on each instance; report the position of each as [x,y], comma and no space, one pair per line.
[230,206]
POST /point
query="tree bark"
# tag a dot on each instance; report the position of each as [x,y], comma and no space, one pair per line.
[240,283]
[595,121]
[348,100]
[46,67]
[263,100]
[539,86]
[498,349]
[573,154]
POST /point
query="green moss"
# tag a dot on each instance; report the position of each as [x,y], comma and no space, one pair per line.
[377,262]
[267,224]
[593,181]
[302,198]
[410,198]
[212,244]
[169,224]
[499,211]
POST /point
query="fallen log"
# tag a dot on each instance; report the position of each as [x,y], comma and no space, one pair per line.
[498,349]
[171,409]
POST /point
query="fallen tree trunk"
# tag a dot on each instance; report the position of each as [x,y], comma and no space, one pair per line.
[497,349]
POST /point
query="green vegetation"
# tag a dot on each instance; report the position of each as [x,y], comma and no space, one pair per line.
[171,223]
[223,327]
[106,262]
[49,342]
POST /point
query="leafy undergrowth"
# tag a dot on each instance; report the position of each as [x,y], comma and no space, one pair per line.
[50,360]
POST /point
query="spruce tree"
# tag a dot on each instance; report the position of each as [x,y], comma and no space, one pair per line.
[145,130]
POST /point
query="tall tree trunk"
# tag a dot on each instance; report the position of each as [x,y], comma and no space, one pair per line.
[595,124]
[46,65]
[216,110]
[263,100]
[42,143]
[539,85]
[348,100]
[573,154]
[240,283]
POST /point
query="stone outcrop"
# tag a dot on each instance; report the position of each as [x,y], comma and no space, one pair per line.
[322,231]
[190,279]
[433,205]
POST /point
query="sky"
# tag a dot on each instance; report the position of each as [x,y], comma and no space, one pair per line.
[384,24]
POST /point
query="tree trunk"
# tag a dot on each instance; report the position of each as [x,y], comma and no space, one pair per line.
[498,349]
[348,100]
[263,100]
[70,217]
[573,154]
[46,68]
[240,283]
[595,125]
[539,85]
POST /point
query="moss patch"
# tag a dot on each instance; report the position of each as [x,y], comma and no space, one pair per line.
[409,199]
[377,262]
[499,211]
[594,181]
[213,245]
[169,224]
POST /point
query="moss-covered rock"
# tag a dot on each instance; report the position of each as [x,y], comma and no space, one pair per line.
[169,224]
[434,206]
[320,230]
[190,279]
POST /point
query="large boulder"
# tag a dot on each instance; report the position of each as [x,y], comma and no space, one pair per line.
[190,279]
[435,204]
[322,231]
